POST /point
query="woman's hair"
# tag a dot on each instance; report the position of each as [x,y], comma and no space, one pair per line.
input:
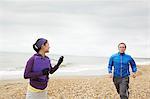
[38,44]
[123,44]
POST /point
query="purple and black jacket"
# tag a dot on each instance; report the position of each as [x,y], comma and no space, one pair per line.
[33,71]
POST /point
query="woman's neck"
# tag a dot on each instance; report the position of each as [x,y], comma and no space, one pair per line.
[42,53]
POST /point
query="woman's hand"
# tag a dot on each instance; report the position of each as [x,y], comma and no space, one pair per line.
[60,60]
[45,71]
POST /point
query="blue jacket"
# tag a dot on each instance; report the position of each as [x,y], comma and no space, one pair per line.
[121,63]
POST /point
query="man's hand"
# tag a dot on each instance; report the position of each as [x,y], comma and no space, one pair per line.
[110,75]
[133,75]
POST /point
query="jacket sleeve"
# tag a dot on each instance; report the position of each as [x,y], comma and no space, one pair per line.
[53,69]
[133,65]
[28,73]
[110,64]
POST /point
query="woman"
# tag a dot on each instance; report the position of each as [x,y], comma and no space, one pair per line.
[37,70]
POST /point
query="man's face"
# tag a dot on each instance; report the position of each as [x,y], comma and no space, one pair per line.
[122,48]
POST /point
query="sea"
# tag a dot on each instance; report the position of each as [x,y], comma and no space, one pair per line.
[12,65]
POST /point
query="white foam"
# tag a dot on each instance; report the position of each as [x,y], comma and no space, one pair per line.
[143,63]
[81,68]
[85,70]
[5,75]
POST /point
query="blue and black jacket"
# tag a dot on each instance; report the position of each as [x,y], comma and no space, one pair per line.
[121,63]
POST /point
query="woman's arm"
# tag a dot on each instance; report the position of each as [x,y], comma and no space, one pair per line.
[28,73]
[53,69]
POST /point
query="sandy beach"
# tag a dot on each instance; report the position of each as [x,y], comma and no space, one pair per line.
[81,87]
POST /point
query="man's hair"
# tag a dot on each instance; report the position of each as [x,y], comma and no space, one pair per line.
[123,44]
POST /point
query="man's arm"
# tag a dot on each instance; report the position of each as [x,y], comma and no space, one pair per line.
[133,65]
[110,64]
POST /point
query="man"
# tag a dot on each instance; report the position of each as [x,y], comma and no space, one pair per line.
[121,62]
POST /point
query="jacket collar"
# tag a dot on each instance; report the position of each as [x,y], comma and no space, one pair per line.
[37,54]
[121,53]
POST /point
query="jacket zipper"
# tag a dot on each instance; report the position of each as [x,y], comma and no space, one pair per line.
[121,67]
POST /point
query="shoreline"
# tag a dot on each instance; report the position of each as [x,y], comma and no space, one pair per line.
[62,72]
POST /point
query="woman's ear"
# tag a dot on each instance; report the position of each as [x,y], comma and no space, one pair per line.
[42,46]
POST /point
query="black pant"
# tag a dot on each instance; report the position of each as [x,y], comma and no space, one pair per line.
[122,86]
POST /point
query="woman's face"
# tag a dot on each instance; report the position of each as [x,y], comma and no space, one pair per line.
[122,48]
[46,47]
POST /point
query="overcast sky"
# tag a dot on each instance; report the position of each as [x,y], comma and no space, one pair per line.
[76,27]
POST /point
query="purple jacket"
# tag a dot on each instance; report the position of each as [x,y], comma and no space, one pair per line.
[34,68]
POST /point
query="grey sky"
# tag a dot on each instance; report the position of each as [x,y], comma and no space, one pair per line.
[76,27]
